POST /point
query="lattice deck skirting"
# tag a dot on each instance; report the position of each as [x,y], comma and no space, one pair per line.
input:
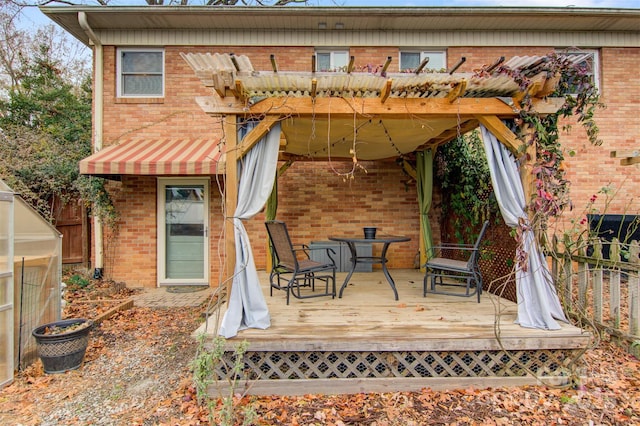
[289,367]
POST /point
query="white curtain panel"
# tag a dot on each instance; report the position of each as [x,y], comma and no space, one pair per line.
[538,302]
[257,170]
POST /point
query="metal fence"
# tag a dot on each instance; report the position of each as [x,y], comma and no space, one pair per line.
[37,302]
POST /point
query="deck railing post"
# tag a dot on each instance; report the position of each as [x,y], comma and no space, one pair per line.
[567,273]
[614,283]
[583,274]
[634,304]
[597,295]
[634,292]
[583,283]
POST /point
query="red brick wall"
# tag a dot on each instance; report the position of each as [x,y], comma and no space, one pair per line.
[592,167]
[130,254]
[374,57]
[315,200]
[177,114]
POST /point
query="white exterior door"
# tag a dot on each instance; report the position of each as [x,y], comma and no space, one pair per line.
[183,232]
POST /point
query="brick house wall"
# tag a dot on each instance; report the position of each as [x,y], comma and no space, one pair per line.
[315,199]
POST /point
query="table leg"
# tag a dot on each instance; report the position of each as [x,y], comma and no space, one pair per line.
[383,260]
[354,261]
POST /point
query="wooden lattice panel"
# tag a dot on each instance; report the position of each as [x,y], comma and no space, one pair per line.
[496,263]
[498,252]
[270,365]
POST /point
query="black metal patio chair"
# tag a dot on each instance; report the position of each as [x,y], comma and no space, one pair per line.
[293,268]
[458,264]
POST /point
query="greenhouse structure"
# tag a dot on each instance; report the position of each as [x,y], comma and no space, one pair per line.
[30,280]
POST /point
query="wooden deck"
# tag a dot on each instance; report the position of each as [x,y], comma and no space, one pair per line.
[375,343]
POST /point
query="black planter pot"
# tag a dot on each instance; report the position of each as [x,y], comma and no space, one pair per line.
[370,233]
[64,351]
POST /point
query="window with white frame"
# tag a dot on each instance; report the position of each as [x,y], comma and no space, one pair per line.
[140,73]
[410,60]
[332,60]
[586,63]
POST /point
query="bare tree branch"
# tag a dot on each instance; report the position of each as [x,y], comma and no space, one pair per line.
[286,2]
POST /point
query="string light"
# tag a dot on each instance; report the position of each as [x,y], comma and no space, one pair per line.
[386,132]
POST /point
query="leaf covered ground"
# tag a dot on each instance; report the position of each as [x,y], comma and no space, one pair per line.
[137,372]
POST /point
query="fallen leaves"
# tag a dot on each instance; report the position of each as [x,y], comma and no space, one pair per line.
[608,393]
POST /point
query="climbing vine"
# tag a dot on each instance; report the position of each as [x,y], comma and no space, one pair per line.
[463,173]
[581,100]
[462,167]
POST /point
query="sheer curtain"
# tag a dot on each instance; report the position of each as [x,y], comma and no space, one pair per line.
[538,303]
[257,171]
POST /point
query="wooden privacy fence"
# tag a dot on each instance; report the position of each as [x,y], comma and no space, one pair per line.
[605,291]
[71,221]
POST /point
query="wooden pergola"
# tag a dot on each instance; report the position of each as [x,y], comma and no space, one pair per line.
[445,105]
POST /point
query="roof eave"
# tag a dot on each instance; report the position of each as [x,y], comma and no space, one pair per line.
[307,18]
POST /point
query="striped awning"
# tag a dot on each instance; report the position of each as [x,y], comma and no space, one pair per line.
[155,157]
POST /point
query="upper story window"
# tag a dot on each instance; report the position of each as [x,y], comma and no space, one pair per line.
[140,73]
[410,60]
[587,64]
[332,60]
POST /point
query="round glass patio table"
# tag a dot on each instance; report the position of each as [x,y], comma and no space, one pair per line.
[382,259]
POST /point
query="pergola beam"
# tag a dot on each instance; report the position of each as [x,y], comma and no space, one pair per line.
[632,157]
[501,132]
[339,107]
[630,161]
[255,134]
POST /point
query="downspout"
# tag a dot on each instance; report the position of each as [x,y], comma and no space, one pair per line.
[98,115]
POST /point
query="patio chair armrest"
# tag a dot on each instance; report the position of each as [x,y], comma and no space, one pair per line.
[456,246]
[303,248]
[433,251]
[306,250]
[329,250]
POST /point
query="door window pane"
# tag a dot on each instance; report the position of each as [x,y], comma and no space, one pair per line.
[184,231]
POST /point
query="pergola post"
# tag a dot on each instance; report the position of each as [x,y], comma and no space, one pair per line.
[231,195]
[234,151]
[526,172]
